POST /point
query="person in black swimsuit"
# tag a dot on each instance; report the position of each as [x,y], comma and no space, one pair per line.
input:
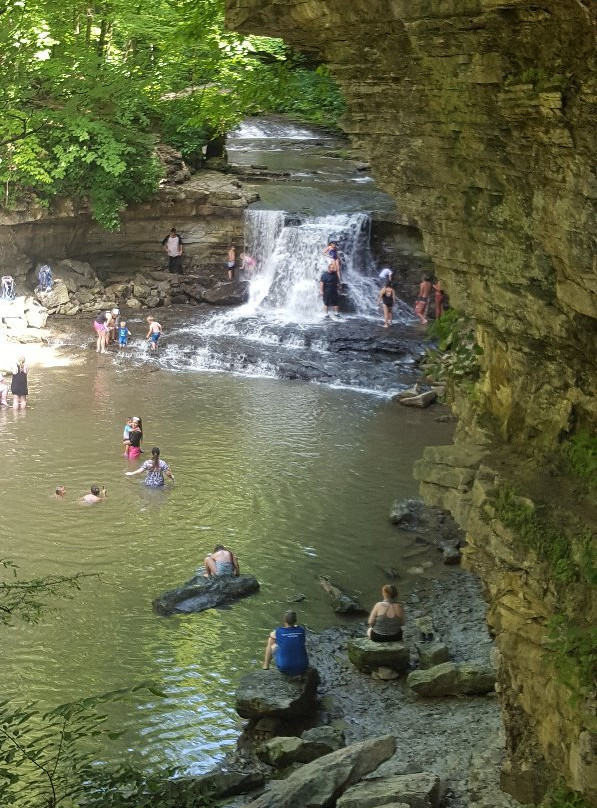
[18,384]
[387,297]
[328,289]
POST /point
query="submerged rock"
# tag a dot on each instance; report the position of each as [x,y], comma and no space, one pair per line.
[202,593]
[319,783]
[341,602]
[271,693]
[453,679]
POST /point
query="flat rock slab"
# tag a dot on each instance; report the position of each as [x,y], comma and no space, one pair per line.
[202,593]
[415,790]
[366,655]
[432,653]
[453,679]
[234,293]
[270,693]
[318,784]
[214,785]
[315,743]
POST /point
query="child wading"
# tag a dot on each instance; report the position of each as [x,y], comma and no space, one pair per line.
[123,335]
[154,332]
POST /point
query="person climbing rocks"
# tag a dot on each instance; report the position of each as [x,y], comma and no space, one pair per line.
[387,617]
[221,562]
[287,647]
[328,289]
[331,252]
[422,302]
[386,276]
[172,245]
[231,261]
[439,297]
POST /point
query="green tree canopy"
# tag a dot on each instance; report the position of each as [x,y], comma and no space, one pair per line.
[86,89]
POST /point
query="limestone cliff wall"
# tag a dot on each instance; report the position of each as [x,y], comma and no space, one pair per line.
[208,210]
[479,117]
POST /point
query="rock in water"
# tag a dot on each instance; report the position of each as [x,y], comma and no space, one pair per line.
[341,602]
[313,744]
[367,655]
[202,593]
[271,693]
[234,293]
[453,679]
[318,784]
[413,790]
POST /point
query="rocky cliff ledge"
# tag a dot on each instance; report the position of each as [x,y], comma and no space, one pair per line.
[478,116]
[207,210]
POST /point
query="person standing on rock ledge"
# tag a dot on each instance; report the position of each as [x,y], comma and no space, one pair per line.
[231,262]
[286,646]
[328,289]
[173,246]
[422,302]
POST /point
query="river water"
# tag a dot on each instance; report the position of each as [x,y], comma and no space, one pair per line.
[296,477]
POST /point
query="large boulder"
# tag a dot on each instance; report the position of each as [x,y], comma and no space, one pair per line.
[228,294]
[413,790]
[214,785]
[314,743]
[75,274]
[202,593]
[263,693]
[453,679]
[367,655]
[318,784]
[54,298]
[432,653]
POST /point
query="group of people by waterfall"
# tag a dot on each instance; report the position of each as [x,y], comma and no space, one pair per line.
[109,329]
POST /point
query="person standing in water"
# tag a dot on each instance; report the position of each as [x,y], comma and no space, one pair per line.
[156,470]
[132,441]
[123,334]
[386,276]
[172,245]
[387,297]
[422,301]
[100,326]
[18,385]
[3,391]
[154,332]
[231,261]
[328,289]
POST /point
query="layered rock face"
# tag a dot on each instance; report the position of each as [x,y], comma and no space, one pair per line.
[478,116]
[207,210]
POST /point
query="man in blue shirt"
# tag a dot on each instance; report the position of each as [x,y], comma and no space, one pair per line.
[287,647]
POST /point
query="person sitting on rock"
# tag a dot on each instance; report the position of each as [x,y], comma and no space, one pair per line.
[287,647]
[221,562]
[386,618]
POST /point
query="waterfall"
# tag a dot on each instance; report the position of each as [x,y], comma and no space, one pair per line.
[290,261]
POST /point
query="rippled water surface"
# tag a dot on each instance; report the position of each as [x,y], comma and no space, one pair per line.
[296,477]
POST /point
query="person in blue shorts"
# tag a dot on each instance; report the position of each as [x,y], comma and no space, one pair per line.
[123,335]
[154,332]
[286,646]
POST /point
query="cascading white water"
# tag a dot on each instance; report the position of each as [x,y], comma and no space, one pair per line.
[290,262]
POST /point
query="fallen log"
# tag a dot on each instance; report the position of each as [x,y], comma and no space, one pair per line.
[341,602]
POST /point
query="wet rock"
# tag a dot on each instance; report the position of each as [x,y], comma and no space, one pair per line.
[202,593]
[271,693]
[133,303]
[366,655]
[313,744]
[228,294]
[453,679]
[405,511]
[213,785]
[424,624]
[317,784]
[385,674]
[432,653]
[451,553]
[421,400]
[414,790]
